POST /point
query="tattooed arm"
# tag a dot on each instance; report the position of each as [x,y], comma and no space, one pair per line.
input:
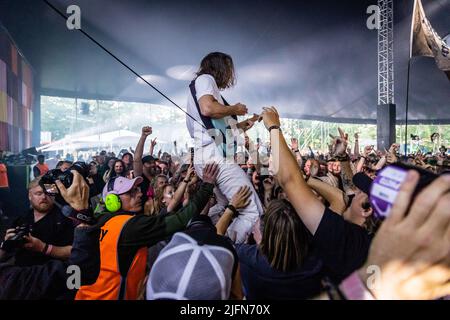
[347,177]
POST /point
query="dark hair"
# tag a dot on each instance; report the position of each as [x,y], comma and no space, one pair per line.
[220,66]
[113,172]
[285,237]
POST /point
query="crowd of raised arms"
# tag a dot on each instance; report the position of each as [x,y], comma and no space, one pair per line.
[318,236]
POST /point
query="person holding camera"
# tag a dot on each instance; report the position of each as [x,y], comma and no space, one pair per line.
[50,280]
[42,234]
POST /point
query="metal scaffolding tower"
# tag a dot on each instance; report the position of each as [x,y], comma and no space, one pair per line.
[386,52]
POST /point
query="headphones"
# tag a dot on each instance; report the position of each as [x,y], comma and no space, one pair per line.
[112,201]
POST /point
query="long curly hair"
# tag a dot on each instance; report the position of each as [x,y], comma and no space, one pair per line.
[220,66]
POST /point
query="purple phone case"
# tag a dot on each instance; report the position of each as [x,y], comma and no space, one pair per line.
[385,188]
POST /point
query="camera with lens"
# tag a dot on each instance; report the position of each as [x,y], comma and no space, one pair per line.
[18,240]
[48,180]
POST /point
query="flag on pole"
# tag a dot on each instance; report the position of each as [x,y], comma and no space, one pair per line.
[426,42]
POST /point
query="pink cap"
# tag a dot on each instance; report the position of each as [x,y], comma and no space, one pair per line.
[121,185]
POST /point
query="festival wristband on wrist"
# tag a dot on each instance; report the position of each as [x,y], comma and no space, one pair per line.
[274,127]
[49,250]
[354,289]
[233,209]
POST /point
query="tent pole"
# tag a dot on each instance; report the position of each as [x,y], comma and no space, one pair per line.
[407,107]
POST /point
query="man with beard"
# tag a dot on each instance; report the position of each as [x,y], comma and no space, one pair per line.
[51,233]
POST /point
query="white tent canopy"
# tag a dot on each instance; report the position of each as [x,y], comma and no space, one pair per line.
[105,139]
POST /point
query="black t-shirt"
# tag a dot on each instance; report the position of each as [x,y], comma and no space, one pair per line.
[263,282]
[145,185]
[54,228]
[341,245]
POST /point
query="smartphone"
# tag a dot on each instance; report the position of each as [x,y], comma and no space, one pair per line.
[192,155]
[387,184]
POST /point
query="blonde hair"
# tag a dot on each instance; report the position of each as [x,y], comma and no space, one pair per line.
[34,183]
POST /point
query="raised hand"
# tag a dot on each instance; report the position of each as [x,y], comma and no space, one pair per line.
[210,173]
[153,142]
[367,150]
[294,144]
[77,195]
[146,131]
[339,145]
[270,117]
[241,198]
[190,172]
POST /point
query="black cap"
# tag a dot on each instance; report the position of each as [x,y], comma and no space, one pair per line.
[148,159]
[363,182]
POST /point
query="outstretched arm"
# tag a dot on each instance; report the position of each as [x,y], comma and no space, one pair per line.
[239,201]
[180,190]
[306,204]
[356,150]
[137,162]
[333,195]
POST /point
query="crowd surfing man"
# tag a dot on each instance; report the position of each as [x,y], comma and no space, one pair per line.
[213,126]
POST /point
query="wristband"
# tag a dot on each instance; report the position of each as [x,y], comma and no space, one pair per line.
[296,150]
[83,216]
[354,289]
[49,250]
[45,249]
[233,209]
[186,181]
[274,127]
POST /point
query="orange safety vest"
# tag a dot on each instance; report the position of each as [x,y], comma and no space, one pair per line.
[3,176]
[110,284]
[43,168]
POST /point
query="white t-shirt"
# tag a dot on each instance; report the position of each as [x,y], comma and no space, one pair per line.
[204,85]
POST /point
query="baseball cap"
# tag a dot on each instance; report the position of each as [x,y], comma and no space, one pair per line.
[198,271]
[362,182]
[148,159]
[121,185]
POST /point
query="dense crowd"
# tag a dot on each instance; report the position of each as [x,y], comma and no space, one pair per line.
[231,219]
[318,233]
